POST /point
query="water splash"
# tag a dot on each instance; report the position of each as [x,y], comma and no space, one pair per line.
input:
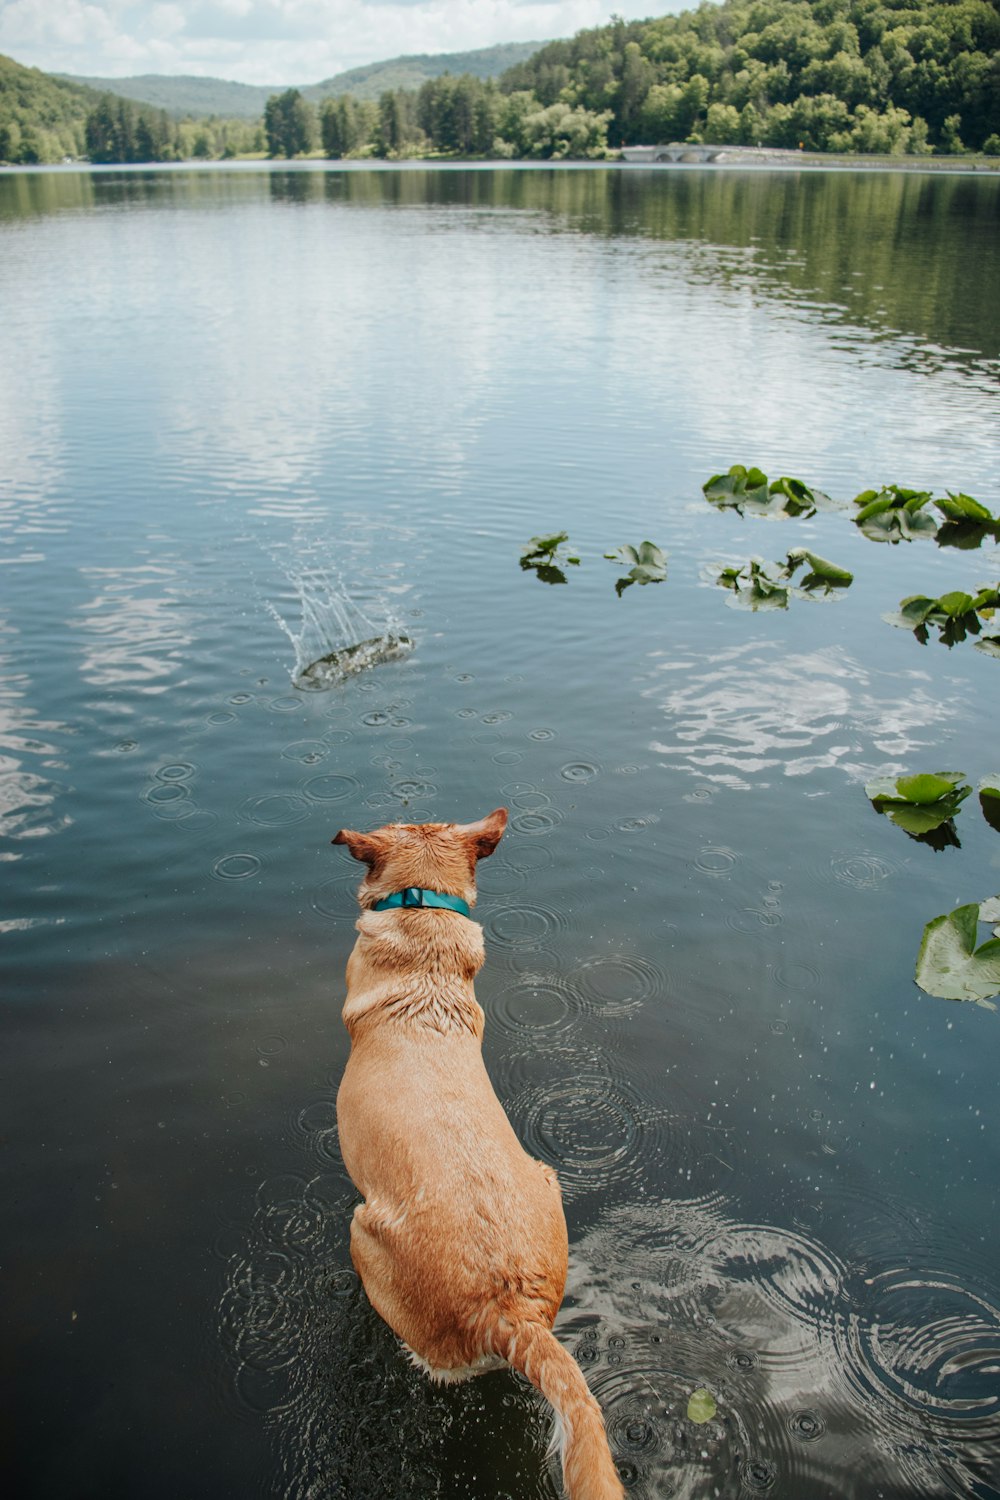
[335,638]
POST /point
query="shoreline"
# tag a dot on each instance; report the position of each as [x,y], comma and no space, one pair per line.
[751,159]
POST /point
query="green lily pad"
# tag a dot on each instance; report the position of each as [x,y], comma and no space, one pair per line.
[930,786]
[541,557]
[648,565]
[822,574]
[963,508]
[989,911]
[893,514]
[989,801]
[919,804]
[701,1406]
[990,644]
[753,587]
[735,487]
[951,967]
[955,615]
[967,523]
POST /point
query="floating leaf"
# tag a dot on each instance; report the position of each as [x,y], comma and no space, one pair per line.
[735,487]
[540,556]
[920,804]
[950,966]
[930,786]
[955,615]
[990,644]
[753,588]
[823,574]
[747,491]
[964,508]
[989,911]
[701,1406]
[989,801]
[649,565]
[893,514]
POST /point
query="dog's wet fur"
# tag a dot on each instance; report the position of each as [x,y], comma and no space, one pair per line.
[461,1239]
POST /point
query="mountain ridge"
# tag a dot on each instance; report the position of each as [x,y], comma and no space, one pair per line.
[191,94]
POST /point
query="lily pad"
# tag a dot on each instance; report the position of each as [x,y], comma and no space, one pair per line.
[736,487]
[989,801]
[893,514]
[956,615]
[963,508]
[701,1406]
[541,557]
[951,967]
[753,587]
[919,804]
[748,492]
[646,564]
[990,644]
[822,574]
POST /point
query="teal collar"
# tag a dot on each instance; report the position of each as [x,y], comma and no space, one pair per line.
[413,896]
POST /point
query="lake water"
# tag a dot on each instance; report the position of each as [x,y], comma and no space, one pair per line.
[249,414]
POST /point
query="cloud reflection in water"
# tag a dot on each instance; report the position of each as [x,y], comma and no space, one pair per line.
[755,708]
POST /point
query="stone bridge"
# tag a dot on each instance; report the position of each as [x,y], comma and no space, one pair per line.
[676,151]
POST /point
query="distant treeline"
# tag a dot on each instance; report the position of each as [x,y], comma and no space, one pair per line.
[117,130]
[43,119]
[886,76]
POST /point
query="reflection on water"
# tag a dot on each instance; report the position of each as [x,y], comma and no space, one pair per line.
[29,752]
[849,1377]
[134,629]
[251,418]
[796,233]
[748,710]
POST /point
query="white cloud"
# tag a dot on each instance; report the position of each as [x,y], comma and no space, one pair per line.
[278,41]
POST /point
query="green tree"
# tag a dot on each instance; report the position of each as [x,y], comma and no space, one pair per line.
[289,124]
[951,139]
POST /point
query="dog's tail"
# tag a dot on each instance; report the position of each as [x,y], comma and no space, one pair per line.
[588,1469]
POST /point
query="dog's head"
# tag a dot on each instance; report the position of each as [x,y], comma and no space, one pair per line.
[435,856]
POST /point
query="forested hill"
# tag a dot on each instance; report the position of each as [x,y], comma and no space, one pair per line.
[410,72]
[861,75]
[41,118]
[184,95]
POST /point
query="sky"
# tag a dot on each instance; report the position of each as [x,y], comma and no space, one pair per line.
[279,41]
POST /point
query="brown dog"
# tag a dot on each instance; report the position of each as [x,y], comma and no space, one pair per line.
[461,1240]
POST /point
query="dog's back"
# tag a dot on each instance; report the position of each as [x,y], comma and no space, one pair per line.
[461,1240]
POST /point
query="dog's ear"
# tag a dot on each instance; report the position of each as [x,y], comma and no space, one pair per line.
[483,837]
[364,846]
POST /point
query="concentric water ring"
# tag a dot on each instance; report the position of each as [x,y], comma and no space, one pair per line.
[413,789]
[163,793]
[864,871]
[331,786]
[540,821]
[236,866]
[615,984]
[306,752]
[337,898]
[592,1130]
[715,860]
[275,810]
[529,798]
[536,1008]
[179,770]
[523,926]
[579,771]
